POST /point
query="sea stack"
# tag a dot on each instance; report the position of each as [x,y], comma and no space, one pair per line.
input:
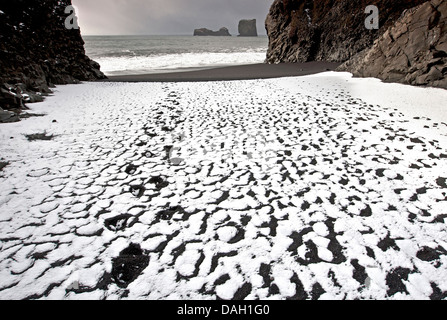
[37,51]
[408,47]
[247,28]
[223,32]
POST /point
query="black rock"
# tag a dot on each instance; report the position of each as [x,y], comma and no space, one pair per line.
[8,116]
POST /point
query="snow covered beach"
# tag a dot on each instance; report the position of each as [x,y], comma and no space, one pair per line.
[317,187]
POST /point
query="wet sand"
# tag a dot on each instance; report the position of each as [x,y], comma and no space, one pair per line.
[242,72]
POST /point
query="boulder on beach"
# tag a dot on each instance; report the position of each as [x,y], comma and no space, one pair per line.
[8,116]
[223,32]
[247,28]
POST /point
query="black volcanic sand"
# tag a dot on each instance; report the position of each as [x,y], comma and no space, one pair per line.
[242,72]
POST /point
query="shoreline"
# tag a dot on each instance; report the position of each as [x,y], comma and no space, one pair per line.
[239,72]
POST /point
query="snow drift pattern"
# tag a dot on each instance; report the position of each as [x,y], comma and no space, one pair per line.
[352,205]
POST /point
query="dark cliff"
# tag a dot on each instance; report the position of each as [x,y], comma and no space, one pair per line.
[37,51]
[408,46]
[325,30]
[412,51]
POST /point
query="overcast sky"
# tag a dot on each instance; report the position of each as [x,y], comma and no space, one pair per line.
[161,17]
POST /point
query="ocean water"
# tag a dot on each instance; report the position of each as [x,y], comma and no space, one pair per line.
[121,55]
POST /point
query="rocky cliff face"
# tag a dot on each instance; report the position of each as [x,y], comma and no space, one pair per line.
[412,51]
[222,32]
[410,45]
[37,51]
[247,28]
[326,30]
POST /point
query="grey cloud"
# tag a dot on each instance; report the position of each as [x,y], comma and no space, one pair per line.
[167,16]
